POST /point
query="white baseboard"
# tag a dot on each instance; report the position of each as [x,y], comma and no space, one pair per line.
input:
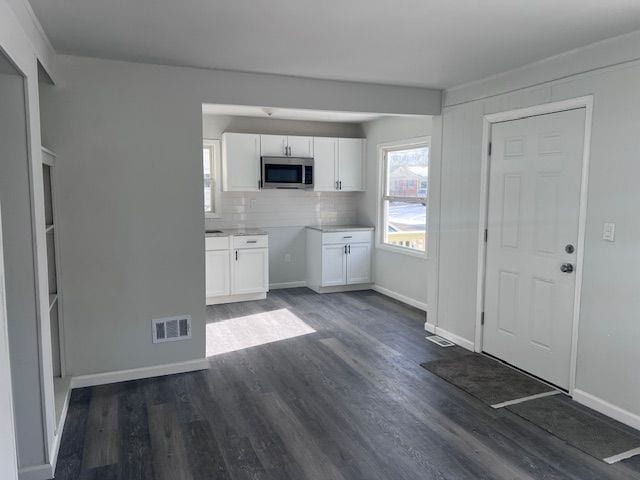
[57,438]
[138,373]
[452,337]
[430,327]
[279,286]
[37,472]
[402,298]
[606,408]
[242,297]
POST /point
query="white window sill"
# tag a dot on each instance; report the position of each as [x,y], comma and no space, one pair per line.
[402,250]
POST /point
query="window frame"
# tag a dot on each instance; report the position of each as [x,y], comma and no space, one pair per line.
[383,149]
[216,192]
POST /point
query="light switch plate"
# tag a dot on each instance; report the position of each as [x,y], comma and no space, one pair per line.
[609,232]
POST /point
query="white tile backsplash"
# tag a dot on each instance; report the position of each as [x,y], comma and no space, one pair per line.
[278,208]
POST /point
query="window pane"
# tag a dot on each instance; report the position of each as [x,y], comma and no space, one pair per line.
[206,167]
[408,172]
[406,225]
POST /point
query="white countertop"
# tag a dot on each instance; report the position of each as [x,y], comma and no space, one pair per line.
[227,232]
[341,228]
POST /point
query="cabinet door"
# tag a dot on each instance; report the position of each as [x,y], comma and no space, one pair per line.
[334,265]
[217,273]
[250,270]
[300,146]
[358,263]
[325,152]
[240,162]
[351,164]
[273,145]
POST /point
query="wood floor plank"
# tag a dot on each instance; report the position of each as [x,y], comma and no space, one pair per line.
[102,437]
[169,452]
[347,400]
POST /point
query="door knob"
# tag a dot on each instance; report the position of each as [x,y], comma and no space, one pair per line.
[566,268]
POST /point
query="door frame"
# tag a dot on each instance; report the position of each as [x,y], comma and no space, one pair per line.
[585,102]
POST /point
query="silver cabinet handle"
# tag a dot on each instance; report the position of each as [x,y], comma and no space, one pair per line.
[252,241]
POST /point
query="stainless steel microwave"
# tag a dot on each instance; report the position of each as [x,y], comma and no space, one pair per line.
[287,172]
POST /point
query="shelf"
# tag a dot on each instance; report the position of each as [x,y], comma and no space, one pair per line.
[49,228]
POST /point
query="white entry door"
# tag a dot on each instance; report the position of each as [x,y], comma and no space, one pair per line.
[533,217]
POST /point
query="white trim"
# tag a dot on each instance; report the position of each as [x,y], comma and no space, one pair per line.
[236,297]
[8,455]
[429,327]
[36,472]
[622,456]
[216,191]
[382,148]
[606,408]
[57,438]
[138,373]
[606,55]
[525,399]
[280,286]
[452,337]
[580,102]
[402,298]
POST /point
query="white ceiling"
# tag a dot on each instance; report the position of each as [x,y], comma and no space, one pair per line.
[434,43]
[289,114]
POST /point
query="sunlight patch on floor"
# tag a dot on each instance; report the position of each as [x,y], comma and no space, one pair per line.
[253,330]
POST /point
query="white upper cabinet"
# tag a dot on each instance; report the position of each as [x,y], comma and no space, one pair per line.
[286,146]
[300,146]
[273,145]
[351,164]
[325,164]
[339,164]
[240,162]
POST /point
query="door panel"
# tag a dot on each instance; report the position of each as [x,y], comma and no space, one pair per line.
[334,265]
[250,271]
[272,145]
[217,273]
[324,166]
[359,263]
[351,163]
[240,162]
[534,200]
[300,146]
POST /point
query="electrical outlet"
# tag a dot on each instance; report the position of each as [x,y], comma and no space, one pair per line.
[287,258]
[252,203]
[609,232]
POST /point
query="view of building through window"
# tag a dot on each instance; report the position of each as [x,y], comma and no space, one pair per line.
[404,198]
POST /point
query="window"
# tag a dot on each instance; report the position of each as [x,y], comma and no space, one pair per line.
[404,196]
[211,174]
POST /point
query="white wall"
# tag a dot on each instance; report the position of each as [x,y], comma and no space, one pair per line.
[129,174]
[402,274]
[609,332]
[283,214]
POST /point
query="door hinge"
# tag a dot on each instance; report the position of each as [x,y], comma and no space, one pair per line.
[489,149]
[486,235]
[482,318]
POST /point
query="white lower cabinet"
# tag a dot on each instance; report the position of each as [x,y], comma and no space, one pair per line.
[338,259]
[250,271]
[217,273]
[237,268]
[334,265]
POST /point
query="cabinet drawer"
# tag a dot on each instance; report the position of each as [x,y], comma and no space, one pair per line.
[216,243]
[347,237]
[251,241]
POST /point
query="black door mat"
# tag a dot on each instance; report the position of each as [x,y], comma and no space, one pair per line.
[488,380]
[587,430]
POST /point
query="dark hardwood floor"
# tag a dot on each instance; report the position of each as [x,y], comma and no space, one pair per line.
[349,401]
